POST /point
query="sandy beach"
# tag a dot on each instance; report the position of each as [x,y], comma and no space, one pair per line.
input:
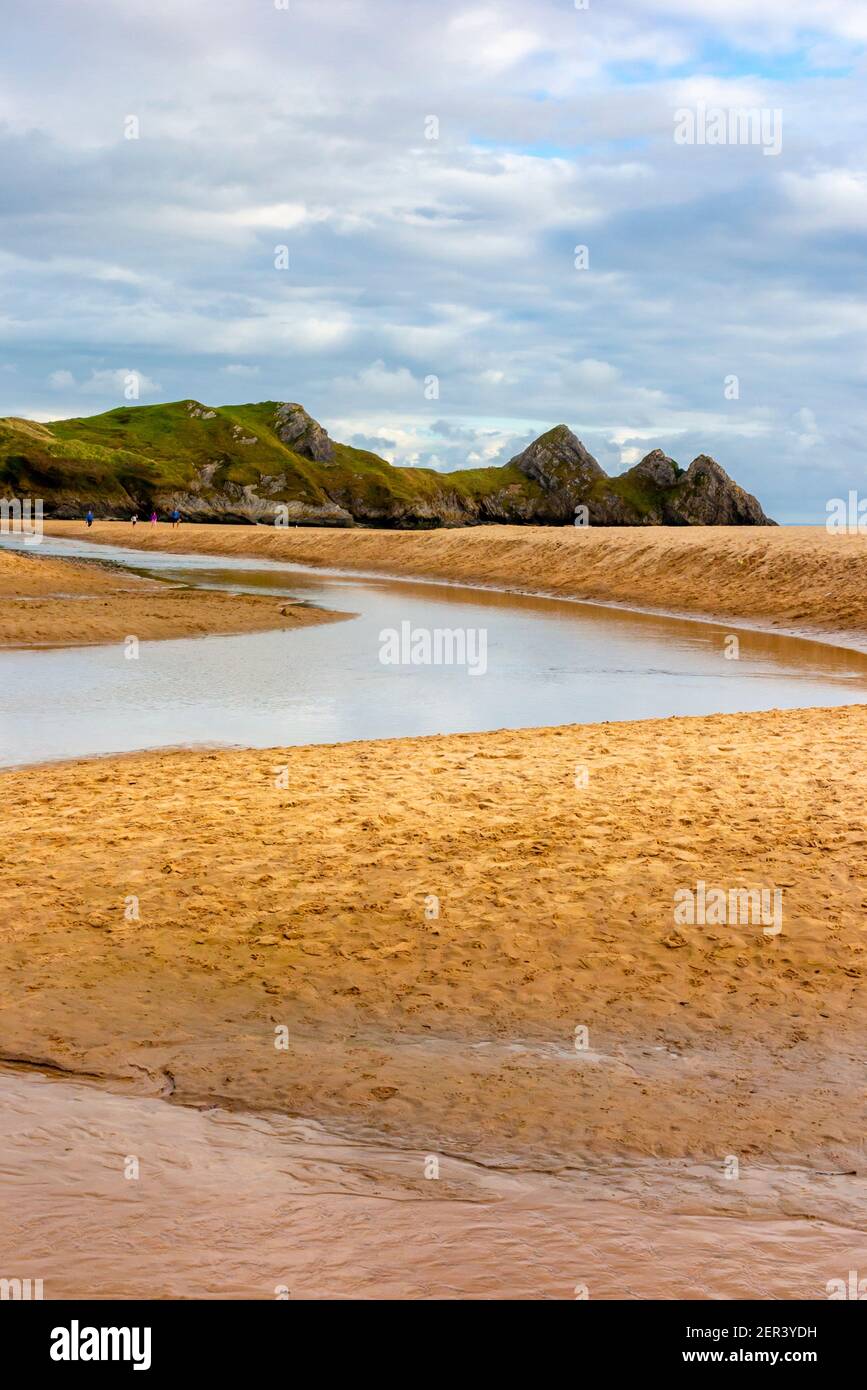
[433,673]
[431,920]
[467,946]
[50,602]
[798,579]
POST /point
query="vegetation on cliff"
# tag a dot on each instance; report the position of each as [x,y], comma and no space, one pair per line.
[253,463]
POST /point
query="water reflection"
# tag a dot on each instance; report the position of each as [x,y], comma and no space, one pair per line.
[549,661]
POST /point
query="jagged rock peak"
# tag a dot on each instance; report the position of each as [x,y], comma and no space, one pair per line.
[301,433]
[704,464]
[658,467]
[558,456]
[708,496]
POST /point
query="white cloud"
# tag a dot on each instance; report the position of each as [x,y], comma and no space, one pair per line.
[828,199]
[592,373]
[124,382]
[452,256]
[482,39]
[778,20]
[806,430]
[381,382]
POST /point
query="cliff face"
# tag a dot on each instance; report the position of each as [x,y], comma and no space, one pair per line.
[258,463]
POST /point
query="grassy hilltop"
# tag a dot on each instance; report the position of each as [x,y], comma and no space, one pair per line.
[243,462]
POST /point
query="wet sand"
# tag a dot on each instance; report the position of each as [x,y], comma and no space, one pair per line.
[225,1205]
[297,889]
[798,579]
[46,602]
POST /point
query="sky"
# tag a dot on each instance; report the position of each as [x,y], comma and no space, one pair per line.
[372,207]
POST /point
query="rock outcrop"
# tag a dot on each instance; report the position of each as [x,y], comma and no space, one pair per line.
[655,492]
[272,461]
[707,496]
[301,433]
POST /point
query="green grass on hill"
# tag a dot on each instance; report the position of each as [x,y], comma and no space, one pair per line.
[202,457]
[132,453]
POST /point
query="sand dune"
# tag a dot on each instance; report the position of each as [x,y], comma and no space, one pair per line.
[801,579]
[297,889]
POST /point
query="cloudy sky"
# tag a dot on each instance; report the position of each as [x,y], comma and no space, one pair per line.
[430,169]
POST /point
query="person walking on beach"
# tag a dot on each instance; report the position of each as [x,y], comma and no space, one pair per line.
[134,518]
[89,517]
[176,518]
[153,518]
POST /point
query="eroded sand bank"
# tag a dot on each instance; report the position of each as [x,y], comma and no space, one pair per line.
[56,602]
[430,921]
[798,578]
